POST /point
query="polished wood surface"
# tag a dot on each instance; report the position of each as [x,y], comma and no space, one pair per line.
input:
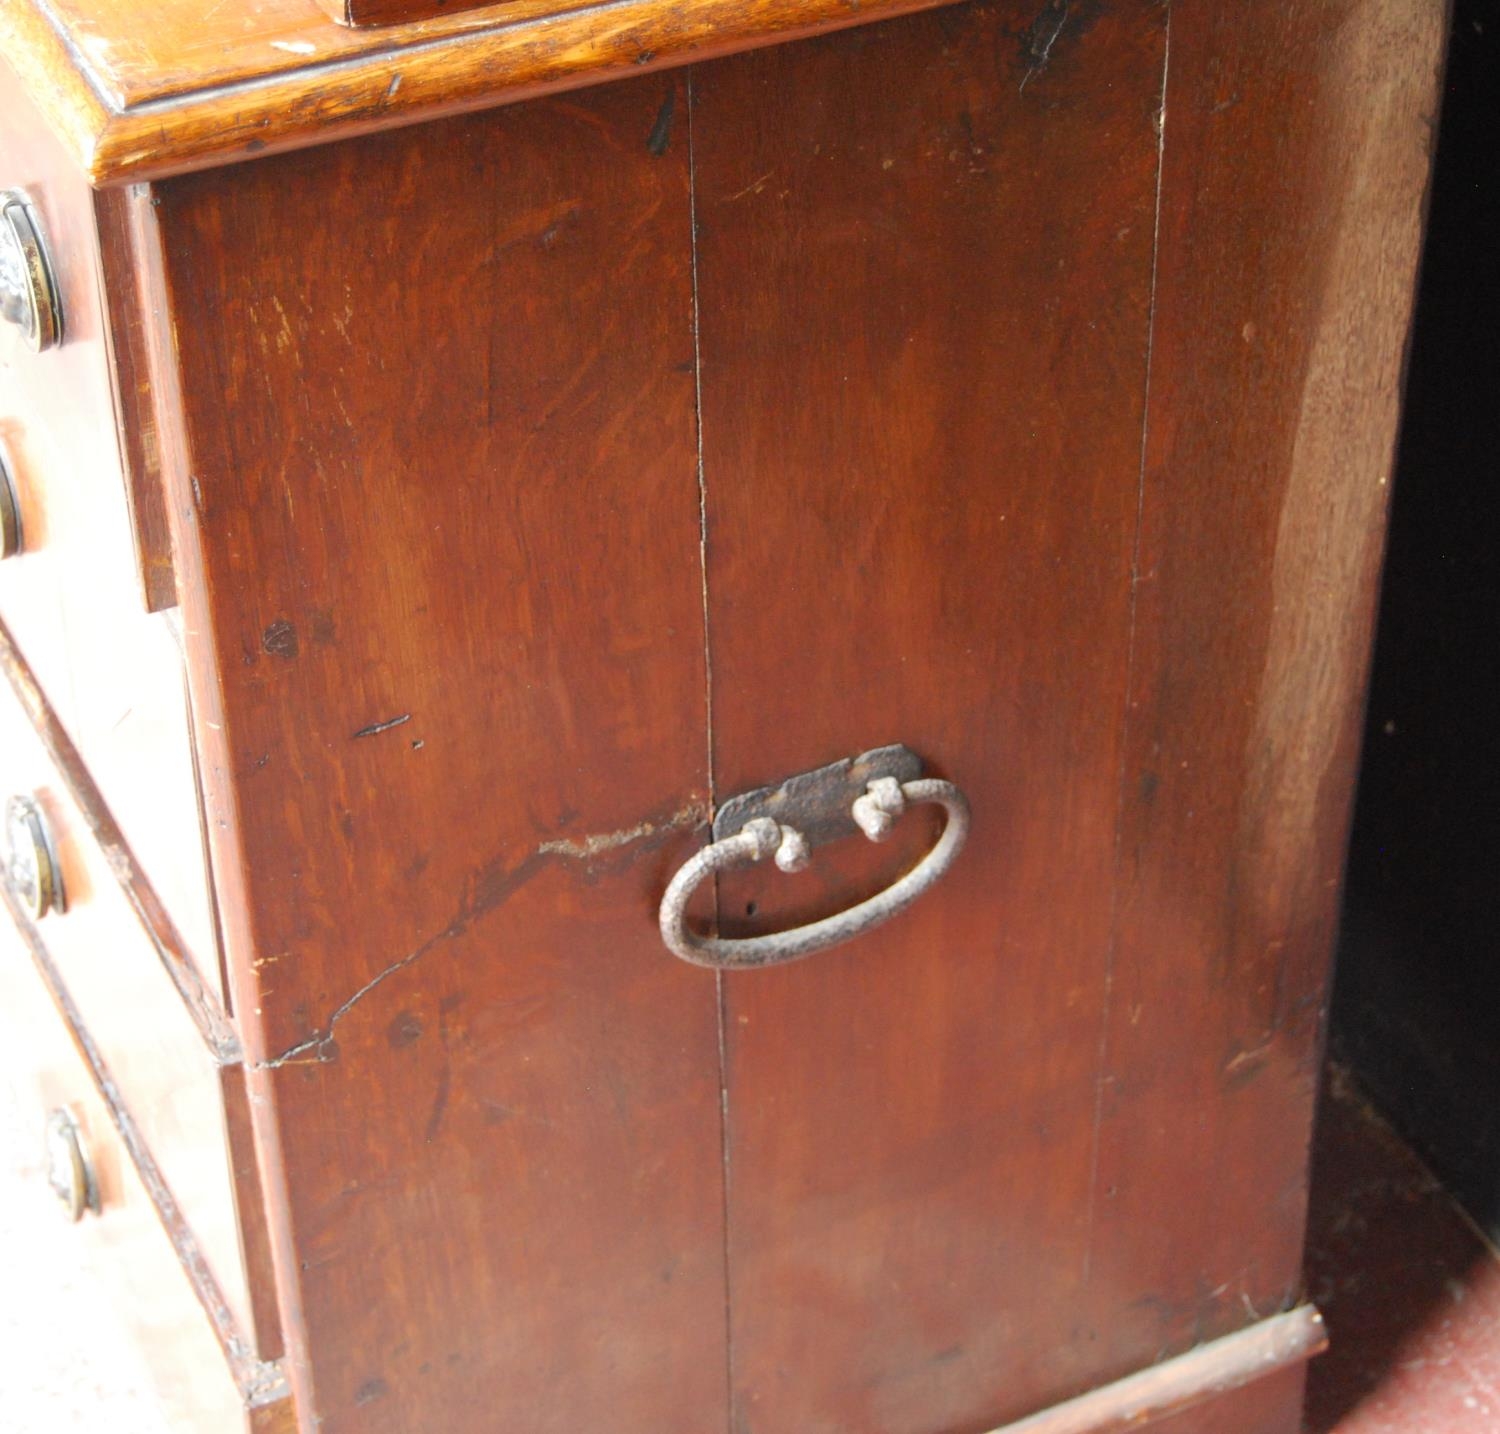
[1015,383]
[1282,306]
[142,93]
[921,441]
[128,345]
[457,593]
[389,12]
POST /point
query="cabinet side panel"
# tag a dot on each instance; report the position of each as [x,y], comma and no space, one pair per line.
[437,512]
[1295,163]
[925,269]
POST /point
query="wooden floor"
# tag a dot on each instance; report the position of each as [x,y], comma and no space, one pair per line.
[1411,1293]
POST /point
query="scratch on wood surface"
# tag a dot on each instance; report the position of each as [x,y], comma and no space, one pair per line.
[485,890]
[660,138]
[694,814]
[754,187]
[1042,36]
[377,727]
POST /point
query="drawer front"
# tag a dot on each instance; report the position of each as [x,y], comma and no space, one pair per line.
[72,595]
[164,1069]
[124,1268]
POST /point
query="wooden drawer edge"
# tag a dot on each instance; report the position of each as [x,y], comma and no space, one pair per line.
[207,1014]
[1176,1385]
[261,1383]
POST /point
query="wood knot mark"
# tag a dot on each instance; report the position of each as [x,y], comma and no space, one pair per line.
[280,639]
[404,1031]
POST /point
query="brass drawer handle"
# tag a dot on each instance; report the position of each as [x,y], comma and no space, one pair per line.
[28,291]
[880,797]
[31,866]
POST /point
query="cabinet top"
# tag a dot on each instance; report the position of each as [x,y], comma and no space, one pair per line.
[140,92]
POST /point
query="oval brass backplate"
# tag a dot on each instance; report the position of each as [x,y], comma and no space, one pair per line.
[70,1172]
[31,866]
[11,538]
[28,291]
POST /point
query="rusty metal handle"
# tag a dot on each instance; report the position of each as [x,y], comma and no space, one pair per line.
[875,813]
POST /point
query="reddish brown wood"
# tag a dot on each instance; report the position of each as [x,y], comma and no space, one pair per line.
[1296,159]
[139,93]
[439,543]
[1197,1380]
[279,1417]
[1057,460]
[924,275]
[124,333]
[391,12]
[263,1323]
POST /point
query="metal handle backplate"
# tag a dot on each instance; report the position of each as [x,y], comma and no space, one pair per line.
[866,794]
[30,860]
[70,1172]
[28,290]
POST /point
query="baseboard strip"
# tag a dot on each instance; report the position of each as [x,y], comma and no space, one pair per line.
[1178,1384]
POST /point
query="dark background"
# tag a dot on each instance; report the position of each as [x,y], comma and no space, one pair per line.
[1417,996]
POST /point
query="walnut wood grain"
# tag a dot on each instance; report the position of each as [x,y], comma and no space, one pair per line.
[277,1417]
[1295,164]
[263,1315]
[924,278]
[124,333]
[144,93]
[1035,371]
[878,399]
[438,545]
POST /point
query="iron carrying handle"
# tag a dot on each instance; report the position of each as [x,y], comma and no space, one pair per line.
[875,813]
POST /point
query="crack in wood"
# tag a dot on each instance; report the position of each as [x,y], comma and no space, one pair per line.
[487,889]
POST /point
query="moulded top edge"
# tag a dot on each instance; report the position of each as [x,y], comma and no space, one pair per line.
[143,92]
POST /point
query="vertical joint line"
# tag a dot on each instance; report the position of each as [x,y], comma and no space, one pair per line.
[1122,779]
[720,993]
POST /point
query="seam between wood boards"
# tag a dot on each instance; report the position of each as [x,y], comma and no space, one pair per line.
[1130,648]
[720,993]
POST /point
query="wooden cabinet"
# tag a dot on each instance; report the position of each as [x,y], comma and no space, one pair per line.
[516,466]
